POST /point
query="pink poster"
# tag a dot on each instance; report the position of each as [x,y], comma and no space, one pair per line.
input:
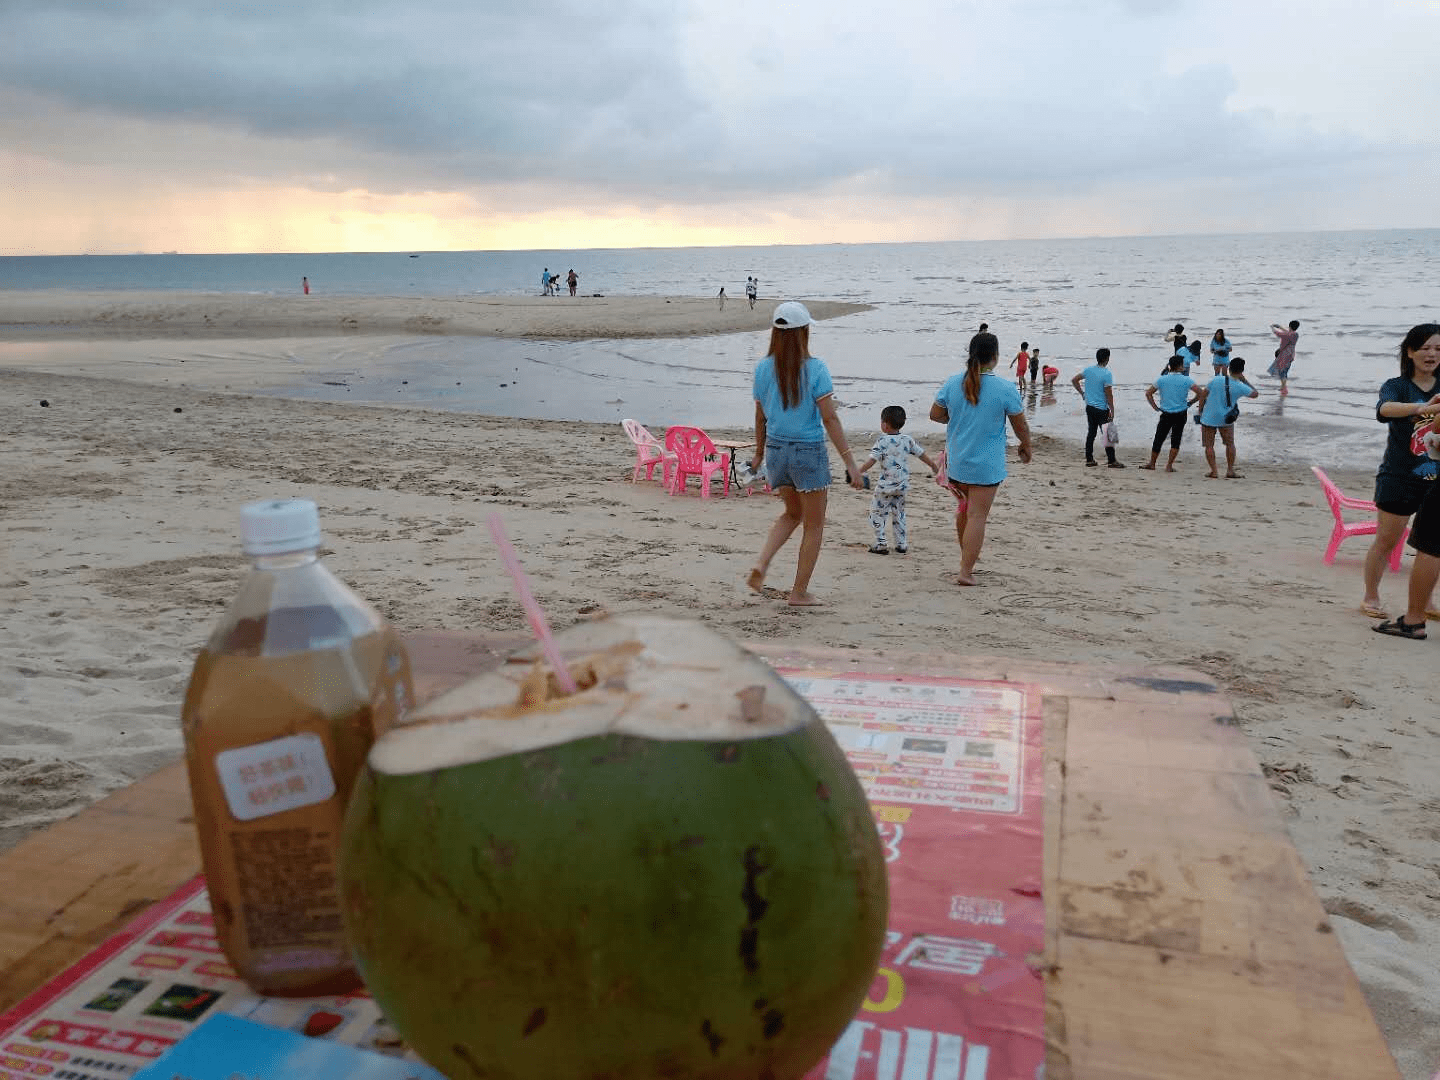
[954,770]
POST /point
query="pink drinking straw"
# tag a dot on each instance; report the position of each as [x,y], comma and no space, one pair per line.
[530,604]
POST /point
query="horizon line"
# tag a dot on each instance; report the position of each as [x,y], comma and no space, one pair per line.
[716,247]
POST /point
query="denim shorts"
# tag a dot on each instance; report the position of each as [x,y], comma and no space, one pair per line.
[804,466]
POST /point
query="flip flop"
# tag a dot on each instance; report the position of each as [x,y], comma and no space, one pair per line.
[1431,613]
[1374,611]
[1398,627]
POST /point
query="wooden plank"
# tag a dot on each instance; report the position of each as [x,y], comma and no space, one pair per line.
[1190,943]
[1183,939]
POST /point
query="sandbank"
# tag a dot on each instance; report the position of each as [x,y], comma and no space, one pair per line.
[49,313]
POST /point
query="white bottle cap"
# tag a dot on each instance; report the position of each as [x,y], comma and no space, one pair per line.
[279,525]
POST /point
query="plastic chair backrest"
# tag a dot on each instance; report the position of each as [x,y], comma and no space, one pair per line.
[691,446]
[638,435]
[1337,499]
[1332,493]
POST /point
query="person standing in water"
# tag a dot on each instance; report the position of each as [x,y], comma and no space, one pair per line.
[1021,364]
[1285,352]
[752,290]
[1034,367]
[1220,352]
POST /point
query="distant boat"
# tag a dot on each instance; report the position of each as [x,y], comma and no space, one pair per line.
[169,253]
[414,256]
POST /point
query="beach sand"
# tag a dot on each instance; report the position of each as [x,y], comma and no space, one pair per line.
[119,502]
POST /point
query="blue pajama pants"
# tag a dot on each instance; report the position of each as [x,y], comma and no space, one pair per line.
[887,505]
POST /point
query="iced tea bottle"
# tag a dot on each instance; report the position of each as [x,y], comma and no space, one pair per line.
[285,700]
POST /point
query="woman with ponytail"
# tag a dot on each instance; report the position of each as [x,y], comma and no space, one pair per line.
[794,410]
[973,407]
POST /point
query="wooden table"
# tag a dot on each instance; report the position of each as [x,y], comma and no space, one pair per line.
[1183,939]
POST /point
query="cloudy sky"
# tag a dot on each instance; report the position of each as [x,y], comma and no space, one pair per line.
[146,125]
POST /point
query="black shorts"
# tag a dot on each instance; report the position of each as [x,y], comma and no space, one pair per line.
[1425,529]
[1400,495]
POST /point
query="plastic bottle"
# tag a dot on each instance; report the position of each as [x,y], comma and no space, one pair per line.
[285,700]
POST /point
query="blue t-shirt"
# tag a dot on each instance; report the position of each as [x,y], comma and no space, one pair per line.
[1213,414]
[1174,390]
[1097,378]
[1220,351]
[975,435]
[801,422]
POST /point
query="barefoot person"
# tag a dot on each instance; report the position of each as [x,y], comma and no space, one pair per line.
[1219,413]
[1178,392]
[794,409]
[1284,352]
[1400,484]
[973,406]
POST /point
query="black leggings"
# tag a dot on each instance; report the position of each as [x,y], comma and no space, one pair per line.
[1174,424]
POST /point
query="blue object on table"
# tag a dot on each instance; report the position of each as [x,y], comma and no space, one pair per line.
[226,1046]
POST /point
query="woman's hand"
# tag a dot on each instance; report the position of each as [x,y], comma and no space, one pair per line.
[857,481]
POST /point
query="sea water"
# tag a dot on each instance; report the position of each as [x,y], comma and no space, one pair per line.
[1355,294]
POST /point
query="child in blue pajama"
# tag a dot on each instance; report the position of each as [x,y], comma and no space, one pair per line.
[891,452]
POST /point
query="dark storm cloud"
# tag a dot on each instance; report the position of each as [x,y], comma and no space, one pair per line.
[504,93]
[650,100]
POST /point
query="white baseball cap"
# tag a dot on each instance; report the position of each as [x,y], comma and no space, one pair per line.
[789,315]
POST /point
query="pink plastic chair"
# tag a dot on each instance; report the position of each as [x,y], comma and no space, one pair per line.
[1340,502]
[695,455]
[648,452]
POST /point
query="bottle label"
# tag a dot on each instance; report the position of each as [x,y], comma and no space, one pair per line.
[272,777]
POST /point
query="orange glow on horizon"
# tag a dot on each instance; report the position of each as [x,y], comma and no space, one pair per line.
[65,211]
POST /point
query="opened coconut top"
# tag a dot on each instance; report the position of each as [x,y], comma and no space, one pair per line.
[644,675]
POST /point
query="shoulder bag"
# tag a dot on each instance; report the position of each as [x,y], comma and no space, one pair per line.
[1233,413]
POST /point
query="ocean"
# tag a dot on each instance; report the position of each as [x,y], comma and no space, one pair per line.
[1355,294]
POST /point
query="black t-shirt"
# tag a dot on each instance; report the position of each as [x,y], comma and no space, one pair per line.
[1398,460]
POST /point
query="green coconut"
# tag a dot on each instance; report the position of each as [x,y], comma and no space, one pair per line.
[670,873]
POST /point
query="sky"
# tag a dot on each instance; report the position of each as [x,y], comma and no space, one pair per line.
[146,125]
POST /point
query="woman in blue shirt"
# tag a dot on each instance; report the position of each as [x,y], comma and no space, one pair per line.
[1220,352]
[1221,396]
[794,410]
[974,407]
